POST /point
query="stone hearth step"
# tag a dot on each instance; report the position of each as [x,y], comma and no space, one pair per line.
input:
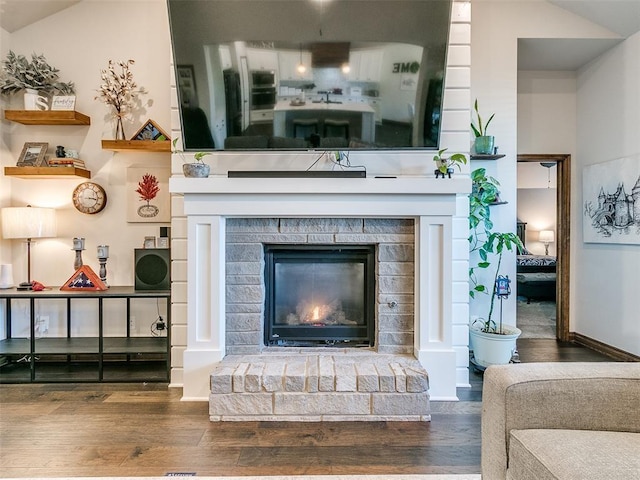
[319,387]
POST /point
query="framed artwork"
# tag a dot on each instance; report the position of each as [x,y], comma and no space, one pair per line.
[148,199]
[83,279]
[63,102]
[186,82]
[611,196]
[150,131]
[33,155]
[149,242]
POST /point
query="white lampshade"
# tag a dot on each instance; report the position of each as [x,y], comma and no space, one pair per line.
[28,222]
[546,236]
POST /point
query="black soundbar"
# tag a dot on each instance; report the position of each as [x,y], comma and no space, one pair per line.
[297,174]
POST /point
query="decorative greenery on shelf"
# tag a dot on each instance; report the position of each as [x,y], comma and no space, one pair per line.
[18,73]
[119,90]
[198,156]
[443,164]
[480,130]
[484,241]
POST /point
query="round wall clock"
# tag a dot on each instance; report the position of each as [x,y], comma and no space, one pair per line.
[89,197]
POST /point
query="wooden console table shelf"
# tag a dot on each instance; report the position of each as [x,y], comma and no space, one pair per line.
[96,347]
[140,145]
[46,172]
[47,117]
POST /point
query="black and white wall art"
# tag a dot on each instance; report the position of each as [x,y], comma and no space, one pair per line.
[611,201]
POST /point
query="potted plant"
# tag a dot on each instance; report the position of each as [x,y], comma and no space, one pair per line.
[197,169]
[36,77]
[444,165]
[483,144]
[491,341]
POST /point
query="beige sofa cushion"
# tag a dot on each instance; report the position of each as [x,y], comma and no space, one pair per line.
[573,454]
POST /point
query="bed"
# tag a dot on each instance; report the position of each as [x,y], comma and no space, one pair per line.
[535,274]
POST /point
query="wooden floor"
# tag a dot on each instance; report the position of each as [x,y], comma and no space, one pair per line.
[135,429]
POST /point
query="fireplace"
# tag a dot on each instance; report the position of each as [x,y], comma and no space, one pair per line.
[319,295]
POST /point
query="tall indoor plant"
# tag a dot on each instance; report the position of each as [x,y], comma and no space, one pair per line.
[484,143]
[491,341]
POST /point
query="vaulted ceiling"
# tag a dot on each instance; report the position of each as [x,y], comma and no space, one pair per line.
[619,16]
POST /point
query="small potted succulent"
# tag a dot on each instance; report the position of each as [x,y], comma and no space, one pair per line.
[197,169]
[483,143]
[444,165]
[36,78]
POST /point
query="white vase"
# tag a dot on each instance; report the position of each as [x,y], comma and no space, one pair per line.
[493,348]
[33,101]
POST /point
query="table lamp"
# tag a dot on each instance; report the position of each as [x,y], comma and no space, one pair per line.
[546,237]
[28,223]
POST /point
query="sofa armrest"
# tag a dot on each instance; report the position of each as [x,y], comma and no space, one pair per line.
[579,396]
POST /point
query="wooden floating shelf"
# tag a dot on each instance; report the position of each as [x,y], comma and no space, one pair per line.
[477,156]
[47,117]
[140,145]
[46,172]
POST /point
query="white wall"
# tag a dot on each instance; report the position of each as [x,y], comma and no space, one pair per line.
[79,41]
[496,27]
[537,207]
[605,276]
[5,154]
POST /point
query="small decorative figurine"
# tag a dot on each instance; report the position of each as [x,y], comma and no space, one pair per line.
[60,153]
[78,246]
[103,254]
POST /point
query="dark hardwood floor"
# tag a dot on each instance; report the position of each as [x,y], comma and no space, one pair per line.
[135,429]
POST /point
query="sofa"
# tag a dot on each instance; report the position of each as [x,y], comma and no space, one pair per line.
[551,420]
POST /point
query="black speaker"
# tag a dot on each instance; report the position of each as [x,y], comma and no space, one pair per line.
[152,268]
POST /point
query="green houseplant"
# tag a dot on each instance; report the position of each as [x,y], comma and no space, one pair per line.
[197,169]
[444,165]
[483,143]
[491,342]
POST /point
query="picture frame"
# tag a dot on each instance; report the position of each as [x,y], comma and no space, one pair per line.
[147,194]
[149,242]
[84,278]
[63,102]
[186,82]
[150,131]
[162,242]
[33,155]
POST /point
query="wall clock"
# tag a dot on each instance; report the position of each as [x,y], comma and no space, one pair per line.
[89,197]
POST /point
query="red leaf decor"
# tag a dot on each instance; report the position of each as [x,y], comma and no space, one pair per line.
[148,187]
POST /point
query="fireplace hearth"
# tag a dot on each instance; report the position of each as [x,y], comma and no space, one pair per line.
[319,295]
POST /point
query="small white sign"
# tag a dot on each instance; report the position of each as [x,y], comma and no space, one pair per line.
[63,102]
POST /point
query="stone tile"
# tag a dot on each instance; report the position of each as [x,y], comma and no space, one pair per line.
[244,252]
[401,378]
[389,225]
[222,379]
[386,377]
[346,380]
[312,374]
[322,403]
[320,225]
[400,403]
[395,322]
[244,322]
[239,374]
[396,253]
[243,268]
[394,284]
[326,379]
[241,404]
[253,380]
[367,376]
[244,294]
[252,225]
[417,380]
[396,268]
[272,376]
[295,376]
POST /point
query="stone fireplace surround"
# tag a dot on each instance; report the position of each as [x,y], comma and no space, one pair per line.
[209,203]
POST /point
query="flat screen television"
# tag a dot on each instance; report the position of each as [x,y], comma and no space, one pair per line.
[310,74]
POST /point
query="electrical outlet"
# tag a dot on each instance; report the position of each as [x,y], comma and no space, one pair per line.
[132,323]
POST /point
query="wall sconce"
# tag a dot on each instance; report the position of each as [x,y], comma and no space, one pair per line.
[28,223]
[546,237]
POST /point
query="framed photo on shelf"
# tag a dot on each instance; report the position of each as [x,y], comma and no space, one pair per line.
[186,85]
[149,242]
[150,131]
[162,242]
[33,155]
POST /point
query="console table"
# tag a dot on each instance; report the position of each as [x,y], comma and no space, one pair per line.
[85,357]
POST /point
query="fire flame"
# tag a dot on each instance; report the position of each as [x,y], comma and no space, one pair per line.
[316,313]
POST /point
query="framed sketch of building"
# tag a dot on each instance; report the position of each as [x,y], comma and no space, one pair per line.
[611,202]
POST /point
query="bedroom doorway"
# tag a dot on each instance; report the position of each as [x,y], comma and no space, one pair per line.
[562,234]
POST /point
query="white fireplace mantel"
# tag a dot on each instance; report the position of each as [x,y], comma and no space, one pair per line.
[430,202]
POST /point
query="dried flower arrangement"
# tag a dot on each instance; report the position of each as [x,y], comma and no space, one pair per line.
[119,90]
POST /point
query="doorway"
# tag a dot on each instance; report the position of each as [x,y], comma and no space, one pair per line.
[563,230]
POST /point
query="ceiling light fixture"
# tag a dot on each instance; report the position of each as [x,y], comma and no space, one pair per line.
[548,166]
